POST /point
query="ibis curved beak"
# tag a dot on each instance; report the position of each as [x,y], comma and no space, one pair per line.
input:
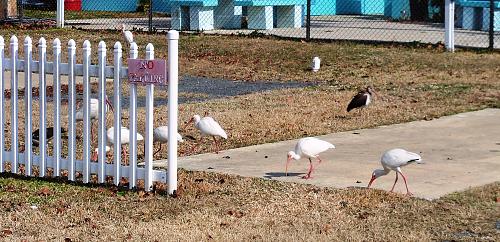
[289,158]
[371,181]
[94,156]
[190,121]
[110,104]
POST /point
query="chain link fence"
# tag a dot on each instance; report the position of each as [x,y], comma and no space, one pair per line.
[477,22]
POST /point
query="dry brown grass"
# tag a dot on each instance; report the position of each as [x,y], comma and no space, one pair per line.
[224,207]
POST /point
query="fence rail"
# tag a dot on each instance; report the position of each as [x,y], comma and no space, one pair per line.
[28,160]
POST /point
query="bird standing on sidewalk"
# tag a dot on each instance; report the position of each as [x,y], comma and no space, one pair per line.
[309,147]
[393,160]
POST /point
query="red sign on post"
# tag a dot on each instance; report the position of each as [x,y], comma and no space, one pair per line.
[144,72]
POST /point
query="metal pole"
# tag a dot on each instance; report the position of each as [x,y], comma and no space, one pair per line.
[449,25]
[492,25]
[150,20]
[308,21]
[20,10]
[60,14]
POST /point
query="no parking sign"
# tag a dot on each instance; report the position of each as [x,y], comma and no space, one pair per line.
[143,72]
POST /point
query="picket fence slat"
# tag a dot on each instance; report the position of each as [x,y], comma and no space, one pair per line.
[2,104]
[57,107]
[101,52]
[42,46]
[14,46]
[71,109]
[28,99]
[116,101]
[86,111]
[134,53]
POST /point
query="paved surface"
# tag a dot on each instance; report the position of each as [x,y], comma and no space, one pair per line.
[337,27]
[459,151]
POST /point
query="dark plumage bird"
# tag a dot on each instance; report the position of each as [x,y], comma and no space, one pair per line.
[49,134]
[362,99]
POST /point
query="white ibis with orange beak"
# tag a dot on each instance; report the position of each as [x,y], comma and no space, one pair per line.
[393,160]
[208,127]
[309,147]
[124,137]
[93,113]
[362,99]
[160,134]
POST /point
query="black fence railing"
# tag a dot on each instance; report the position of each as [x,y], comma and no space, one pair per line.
[477,22]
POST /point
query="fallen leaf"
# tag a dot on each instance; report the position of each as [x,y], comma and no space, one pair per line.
[45,191]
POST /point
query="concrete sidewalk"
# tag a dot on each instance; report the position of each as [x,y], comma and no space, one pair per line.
[460,151]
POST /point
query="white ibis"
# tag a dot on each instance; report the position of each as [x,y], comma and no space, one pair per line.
[160,134]
[393,160]
[124,137]
[96,153]
[93,112]
[49,134]
[309,147]
[129,37]
[362,99]
[208,127]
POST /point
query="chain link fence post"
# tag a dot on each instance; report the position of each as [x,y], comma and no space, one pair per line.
[491,33]
[308,21]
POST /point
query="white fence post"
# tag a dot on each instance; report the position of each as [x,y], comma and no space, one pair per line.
[449,23]
[102,112]
[57,105]
[42,52]
[148,147]
[28,99]
[2,105]
[133,125]
[14,46]
[173,78]
[117,63]
[86,112]
[71,109]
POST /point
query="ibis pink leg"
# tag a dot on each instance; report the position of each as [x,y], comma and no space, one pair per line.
[124,153]
[310,170]
[407,190]
[392,190]
[216,146]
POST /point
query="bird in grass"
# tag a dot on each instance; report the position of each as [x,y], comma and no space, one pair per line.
[160,134]
[124,137]
[129,37]
[309,148]
[49,134]
[208,127]
[393,160]
[362,99]
[93,112]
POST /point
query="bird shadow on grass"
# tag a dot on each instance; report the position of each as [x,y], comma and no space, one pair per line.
[271,175]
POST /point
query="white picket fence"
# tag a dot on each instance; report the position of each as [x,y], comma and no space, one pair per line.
[119,73]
